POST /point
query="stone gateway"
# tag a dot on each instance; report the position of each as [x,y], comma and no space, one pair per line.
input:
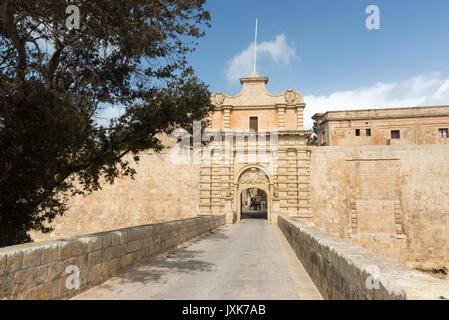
[265,144]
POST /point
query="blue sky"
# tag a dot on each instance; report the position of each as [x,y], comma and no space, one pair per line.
[323,49]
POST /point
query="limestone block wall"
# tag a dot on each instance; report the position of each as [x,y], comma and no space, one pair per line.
[39,270]
[161,191]
[417,125]
[412,131]
[292,179]
[267,119]
[393,200]
[344,271]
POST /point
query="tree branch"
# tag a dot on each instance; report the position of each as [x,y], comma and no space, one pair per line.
[19,44]
[54,60]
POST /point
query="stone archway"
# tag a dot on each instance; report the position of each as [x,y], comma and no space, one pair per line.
[253,177]
[253,204]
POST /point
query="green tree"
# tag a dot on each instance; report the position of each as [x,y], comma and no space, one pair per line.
[54,81]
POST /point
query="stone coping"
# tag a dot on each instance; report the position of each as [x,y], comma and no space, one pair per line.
[344,271]
[365,149]
[354,114]
[63,268]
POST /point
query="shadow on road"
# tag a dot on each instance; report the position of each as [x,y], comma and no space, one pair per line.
[180,260]
[253,214]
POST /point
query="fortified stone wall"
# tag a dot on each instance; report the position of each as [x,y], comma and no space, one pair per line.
[162,191]
[393,200]
[343,271]
[47,270]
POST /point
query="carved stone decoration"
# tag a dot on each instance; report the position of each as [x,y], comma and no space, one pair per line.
[292,97]
[217,99]
[253,176]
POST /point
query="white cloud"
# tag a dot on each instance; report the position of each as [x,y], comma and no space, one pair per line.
[106,114]
[422,90]
[277,51]
[442,91]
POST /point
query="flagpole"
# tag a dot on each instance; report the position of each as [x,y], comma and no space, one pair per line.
[255,47]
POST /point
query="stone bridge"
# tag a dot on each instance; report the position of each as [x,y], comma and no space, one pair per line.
[204,258]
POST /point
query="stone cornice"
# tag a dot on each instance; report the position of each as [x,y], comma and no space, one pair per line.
[376,117]
[384,113]
[255,95]
[248,107]
[278,132]
[254,79]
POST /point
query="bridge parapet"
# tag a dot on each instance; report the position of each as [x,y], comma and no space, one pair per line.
[343,271]
[63,268]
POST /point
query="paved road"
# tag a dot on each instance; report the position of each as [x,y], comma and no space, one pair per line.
[247,260]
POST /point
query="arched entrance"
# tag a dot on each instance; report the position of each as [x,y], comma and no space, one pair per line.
[253,203]
[253,178]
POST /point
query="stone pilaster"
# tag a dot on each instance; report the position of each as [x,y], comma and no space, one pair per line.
[281,181]
[303,167]
[281,116]
[300,117]
[215,201]
[292,186]
[226,117]
[205,189]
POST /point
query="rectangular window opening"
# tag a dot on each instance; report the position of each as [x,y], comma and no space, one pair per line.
[368,132]
[395,134]
[443,132]
[357,132]
[253,123]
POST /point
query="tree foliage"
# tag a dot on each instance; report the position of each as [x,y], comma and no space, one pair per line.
[54,81]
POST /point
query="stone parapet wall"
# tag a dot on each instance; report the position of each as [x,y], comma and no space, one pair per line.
[42,270]
[344,271]
[386,112]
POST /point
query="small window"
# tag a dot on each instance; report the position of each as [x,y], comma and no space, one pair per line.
[395,134]
[443,133]
[368,132]
[357,132]
[253,123]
